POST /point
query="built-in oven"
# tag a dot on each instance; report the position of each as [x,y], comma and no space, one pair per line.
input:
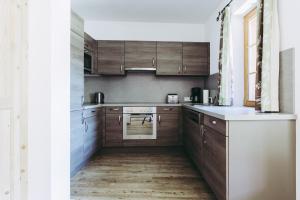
[139,123]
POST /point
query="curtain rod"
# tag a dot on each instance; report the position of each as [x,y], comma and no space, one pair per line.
[221,12]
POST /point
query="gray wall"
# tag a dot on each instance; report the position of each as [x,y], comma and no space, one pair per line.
[140,87]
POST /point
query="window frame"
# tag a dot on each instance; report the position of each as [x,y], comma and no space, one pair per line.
[247,18]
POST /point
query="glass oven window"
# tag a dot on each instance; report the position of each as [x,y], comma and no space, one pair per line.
[141,124]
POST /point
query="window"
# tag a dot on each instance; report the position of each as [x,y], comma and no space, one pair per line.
[250,27]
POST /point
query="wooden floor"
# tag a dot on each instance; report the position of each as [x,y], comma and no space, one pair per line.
[160,174]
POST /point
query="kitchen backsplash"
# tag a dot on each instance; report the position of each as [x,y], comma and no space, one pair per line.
[140,87]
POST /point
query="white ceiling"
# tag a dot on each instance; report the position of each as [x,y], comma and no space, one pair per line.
[173,11]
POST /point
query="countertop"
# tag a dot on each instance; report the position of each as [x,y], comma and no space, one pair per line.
[220,112]
[238,113]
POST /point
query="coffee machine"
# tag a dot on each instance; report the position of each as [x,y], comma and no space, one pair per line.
[197,95]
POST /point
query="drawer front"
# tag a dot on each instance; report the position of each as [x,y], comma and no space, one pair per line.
[114,109]
[216,124]
[168,109]
[90,112]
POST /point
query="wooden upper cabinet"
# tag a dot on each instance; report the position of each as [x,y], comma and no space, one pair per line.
[111,57]
[77,24]
[140,54]
[196,58]
[90,47]
[169,58]
[76,63]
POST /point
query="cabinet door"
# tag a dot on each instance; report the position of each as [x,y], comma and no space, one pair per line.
[90,137]
[140,54]
[168,129]
[113,130]
[214,161]
[195,59]
[90,47]
[77,138]
[193,136]
[169,58]
[111,57]
[77,24]
[77,76]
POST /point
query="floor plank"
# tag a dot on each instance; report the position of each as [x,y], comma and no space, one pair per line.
[143,175]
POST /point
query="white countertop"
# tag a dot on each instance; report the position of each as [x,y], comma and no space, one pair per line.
[220,112]
[238,113]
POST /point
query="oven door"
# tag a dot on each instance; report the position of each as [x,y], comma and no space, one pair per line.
[139,126]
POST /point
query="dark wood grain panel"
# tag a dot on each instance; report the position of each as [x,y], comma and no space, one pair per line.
[216,124]
[169,58]
[111,57]
[113,130]
[168,129]
[114,109]
[140,54]
[214,161]
[168,109]
[196,58]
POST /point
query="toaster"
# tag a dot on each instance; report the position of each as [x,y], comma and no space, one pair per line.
[172,98]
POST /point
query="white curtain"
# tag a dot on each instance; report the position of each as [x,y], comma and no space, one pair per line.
[270,61]
[269,84]
[225,61]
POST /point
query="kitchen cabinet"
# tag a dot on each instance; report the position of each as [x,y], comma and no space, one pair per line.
[111,58]
[168,126]
[90,47]
[92,136]
[77,138]
[192,126]
[113,127]
[169,58]
[140,54]
[196,59]
[214,161]
[77,62]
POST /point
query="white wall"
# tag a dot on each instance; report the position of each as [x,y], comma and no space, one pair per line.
[111,30]
[48,99]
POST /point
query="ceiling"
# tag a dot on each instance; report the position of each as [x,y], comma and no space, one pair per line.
[162,11]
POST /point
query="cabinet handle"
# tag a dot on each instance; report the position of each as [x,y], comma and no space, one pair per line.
[119,119]
[82,118]
[179,69]
[121,68]
[153,62]
[86,127]
[115,109]
[184,68]
[159,119]
[82,100]
[167,109]
[204,142]
[214,122]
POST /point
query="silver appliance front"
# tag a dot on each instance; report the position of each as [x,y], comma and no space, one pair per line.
[139,123]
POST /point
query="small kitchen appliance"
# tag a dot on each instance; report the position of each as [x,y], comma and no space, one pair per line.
[99,98]
[197,95]
[172,98]
[205,96]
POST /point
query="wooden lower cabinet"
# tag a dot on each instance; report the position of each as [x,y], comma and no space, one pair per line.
[77,135]
[113,130]
[214,161]
[168,129]
[192,136]
[86,134]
